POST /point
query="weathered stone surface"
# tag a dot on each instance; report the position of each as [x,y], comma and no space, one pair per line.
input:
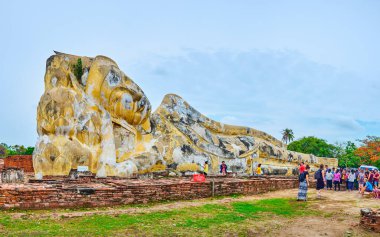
[370,219]
[103,120]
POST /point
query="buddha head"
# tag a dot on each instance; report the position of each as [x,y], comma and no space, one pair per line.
[116,92]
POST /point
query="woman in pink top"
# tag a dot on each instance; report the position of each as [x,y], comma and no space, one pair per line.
[336,180]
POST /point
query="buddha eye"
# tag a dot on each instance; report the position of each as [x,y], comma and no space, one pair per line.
[113,78]
[142,102]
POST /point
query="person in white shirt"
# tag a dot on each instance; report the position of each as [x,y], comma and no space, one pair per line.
[351,180]
[329,178]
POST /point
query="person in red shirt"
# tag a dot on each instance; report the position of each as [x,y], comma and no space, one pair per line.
[302,167]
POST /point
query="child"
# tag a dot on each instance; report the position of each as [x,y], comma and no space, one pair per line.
[223,168]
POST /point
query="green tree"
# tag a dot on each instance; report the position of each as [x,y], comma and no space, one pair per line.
[287,135]
[346,156]
[313,145]
[15,150]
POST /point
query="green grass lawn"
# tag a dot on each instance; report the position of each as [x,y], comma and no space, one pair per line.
[205,220]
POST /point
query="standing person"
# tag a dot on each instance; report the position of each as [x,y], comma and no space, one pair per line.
[333,170]
[259,170]
[325,172]
[336,180]
[205,168]
[320,177]
[350,180]
[361,179]
[356,182]
[304,184]
[370,177]
[329,179]
[343,177]
[223,168]
[376,177]
[366,173]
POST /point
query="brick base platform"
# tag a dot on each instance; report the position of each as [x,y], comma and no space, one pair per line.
[91,192]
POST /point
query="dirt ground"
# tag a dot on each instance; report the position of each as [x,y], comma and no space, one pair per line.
[340,213]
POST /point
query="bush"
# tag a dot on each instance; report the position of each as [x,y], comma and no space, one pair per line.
[78,69]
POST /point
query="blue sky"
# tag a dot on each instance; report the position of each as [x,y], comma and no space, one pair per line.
[313,66]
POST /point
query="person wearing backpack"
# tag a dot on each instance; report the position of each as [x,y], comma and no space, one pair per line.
[304,184]
[320,177]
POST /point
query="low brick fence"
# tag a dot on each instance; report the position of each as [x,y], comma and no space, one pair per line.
[112,191]
[24,162]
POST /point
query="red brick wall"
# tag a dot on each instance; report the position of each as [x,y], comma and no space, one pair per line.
[111,192]
[24,162]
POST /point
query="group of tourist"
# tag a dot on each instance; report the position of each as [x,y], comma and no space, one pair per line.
[360,179]
[223,169]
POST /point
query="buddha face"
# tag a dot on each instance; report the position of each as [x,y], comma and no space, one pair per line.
[117,93]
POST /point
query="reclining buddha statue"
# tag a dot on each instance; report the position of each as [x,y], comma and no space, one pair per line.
[92,114]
